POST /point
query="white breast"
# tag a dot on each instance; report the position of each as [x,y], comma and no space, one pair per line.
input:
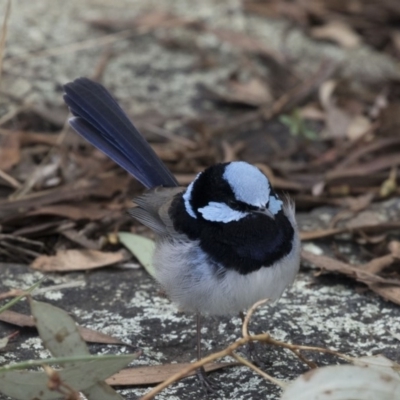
[190,280]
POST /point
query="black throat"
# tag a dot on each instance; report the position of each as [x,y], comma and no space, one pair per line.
[245,246]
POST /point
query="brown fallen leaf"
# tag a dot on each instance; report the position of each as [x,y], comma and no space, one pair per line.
[255,92]
[11,293]
[81,239]
[355,272]
[338,32]
[75,260]
[380,286]
[359,152]
[82,211]
[10,149]
[323,233]
[390,293]
[102,186]
[89,335]
[156,373]
[380,263]
[376,165]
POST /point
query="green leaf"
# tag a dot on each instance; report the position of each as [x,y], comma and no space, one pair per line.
[82,376]
[61,337]
[141,247]
[58,330]
[101,391]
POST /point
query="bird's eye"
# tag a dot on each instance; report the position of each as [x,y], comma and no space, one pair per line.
[231,203]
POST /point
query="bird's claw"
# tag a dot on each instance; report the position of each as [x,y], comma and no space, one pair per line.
[208,385]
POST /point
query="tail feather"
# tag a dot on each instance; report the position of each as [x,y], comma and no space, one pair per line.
[103,123]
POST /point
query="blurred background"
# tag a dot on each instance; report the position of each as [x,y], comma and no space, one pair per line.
[306,89]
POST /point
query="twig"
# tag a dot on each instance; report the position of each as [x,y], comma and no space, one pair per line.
[228,351]
[34,177]
[245,330]
[268,377]
[168,135]
[13,112]
[10,180]
[181,374]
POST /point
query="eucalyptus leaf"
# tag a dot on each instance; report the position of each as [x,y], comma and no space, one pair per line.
[58,330]
[142,248]
[27,385]
[101,391]
[346,382]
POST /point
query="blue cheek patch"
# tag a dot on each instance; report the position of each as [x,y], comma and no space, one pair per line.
[275,205]
[220,212]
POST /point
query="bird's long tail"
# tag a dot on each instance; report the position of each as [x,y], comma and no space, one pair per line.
[103,123]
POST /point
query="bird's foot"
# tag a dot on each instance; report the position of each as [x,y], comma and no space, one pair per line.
[208,385]
[252,355]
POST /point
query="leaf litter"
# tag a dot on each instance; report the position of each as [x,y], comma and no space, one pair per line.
[337,144]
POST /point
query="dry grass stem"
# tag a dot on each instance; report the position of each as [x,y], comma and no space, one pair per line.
[230,351]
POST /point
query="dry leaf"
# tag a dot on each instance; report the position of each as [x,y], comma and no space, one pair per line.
[338,32]
[89,335]
[333,265]
[10,152]
[390,293]
[11,293]
[373,378]
[156,373]
[75,260]
[374,228]
[387,288]
[363,218]
[358,127]
[254,92]
[79,238]
[337,120]
[89,211]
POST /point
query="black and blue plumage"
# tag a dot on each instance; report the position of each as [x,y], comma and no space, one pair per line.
[225,241]
[103,123]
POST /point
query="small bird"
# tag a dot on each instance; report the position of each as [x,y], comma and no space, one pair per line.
[224,242]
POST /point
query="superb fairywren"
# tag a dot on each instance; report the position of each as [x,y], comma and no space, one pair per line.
[224,242]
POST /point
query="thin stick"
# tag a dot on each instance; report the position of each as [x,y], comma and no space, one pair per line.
[9,179]
[196,365]
[268,377]
[263,337]
[245,329]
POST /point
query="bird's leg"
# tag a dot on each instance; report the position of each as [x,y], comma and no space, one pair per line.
[205,381]
[250,347]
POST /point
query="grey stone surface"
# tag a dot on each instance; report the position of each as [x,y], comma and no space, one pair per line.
[328,311]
